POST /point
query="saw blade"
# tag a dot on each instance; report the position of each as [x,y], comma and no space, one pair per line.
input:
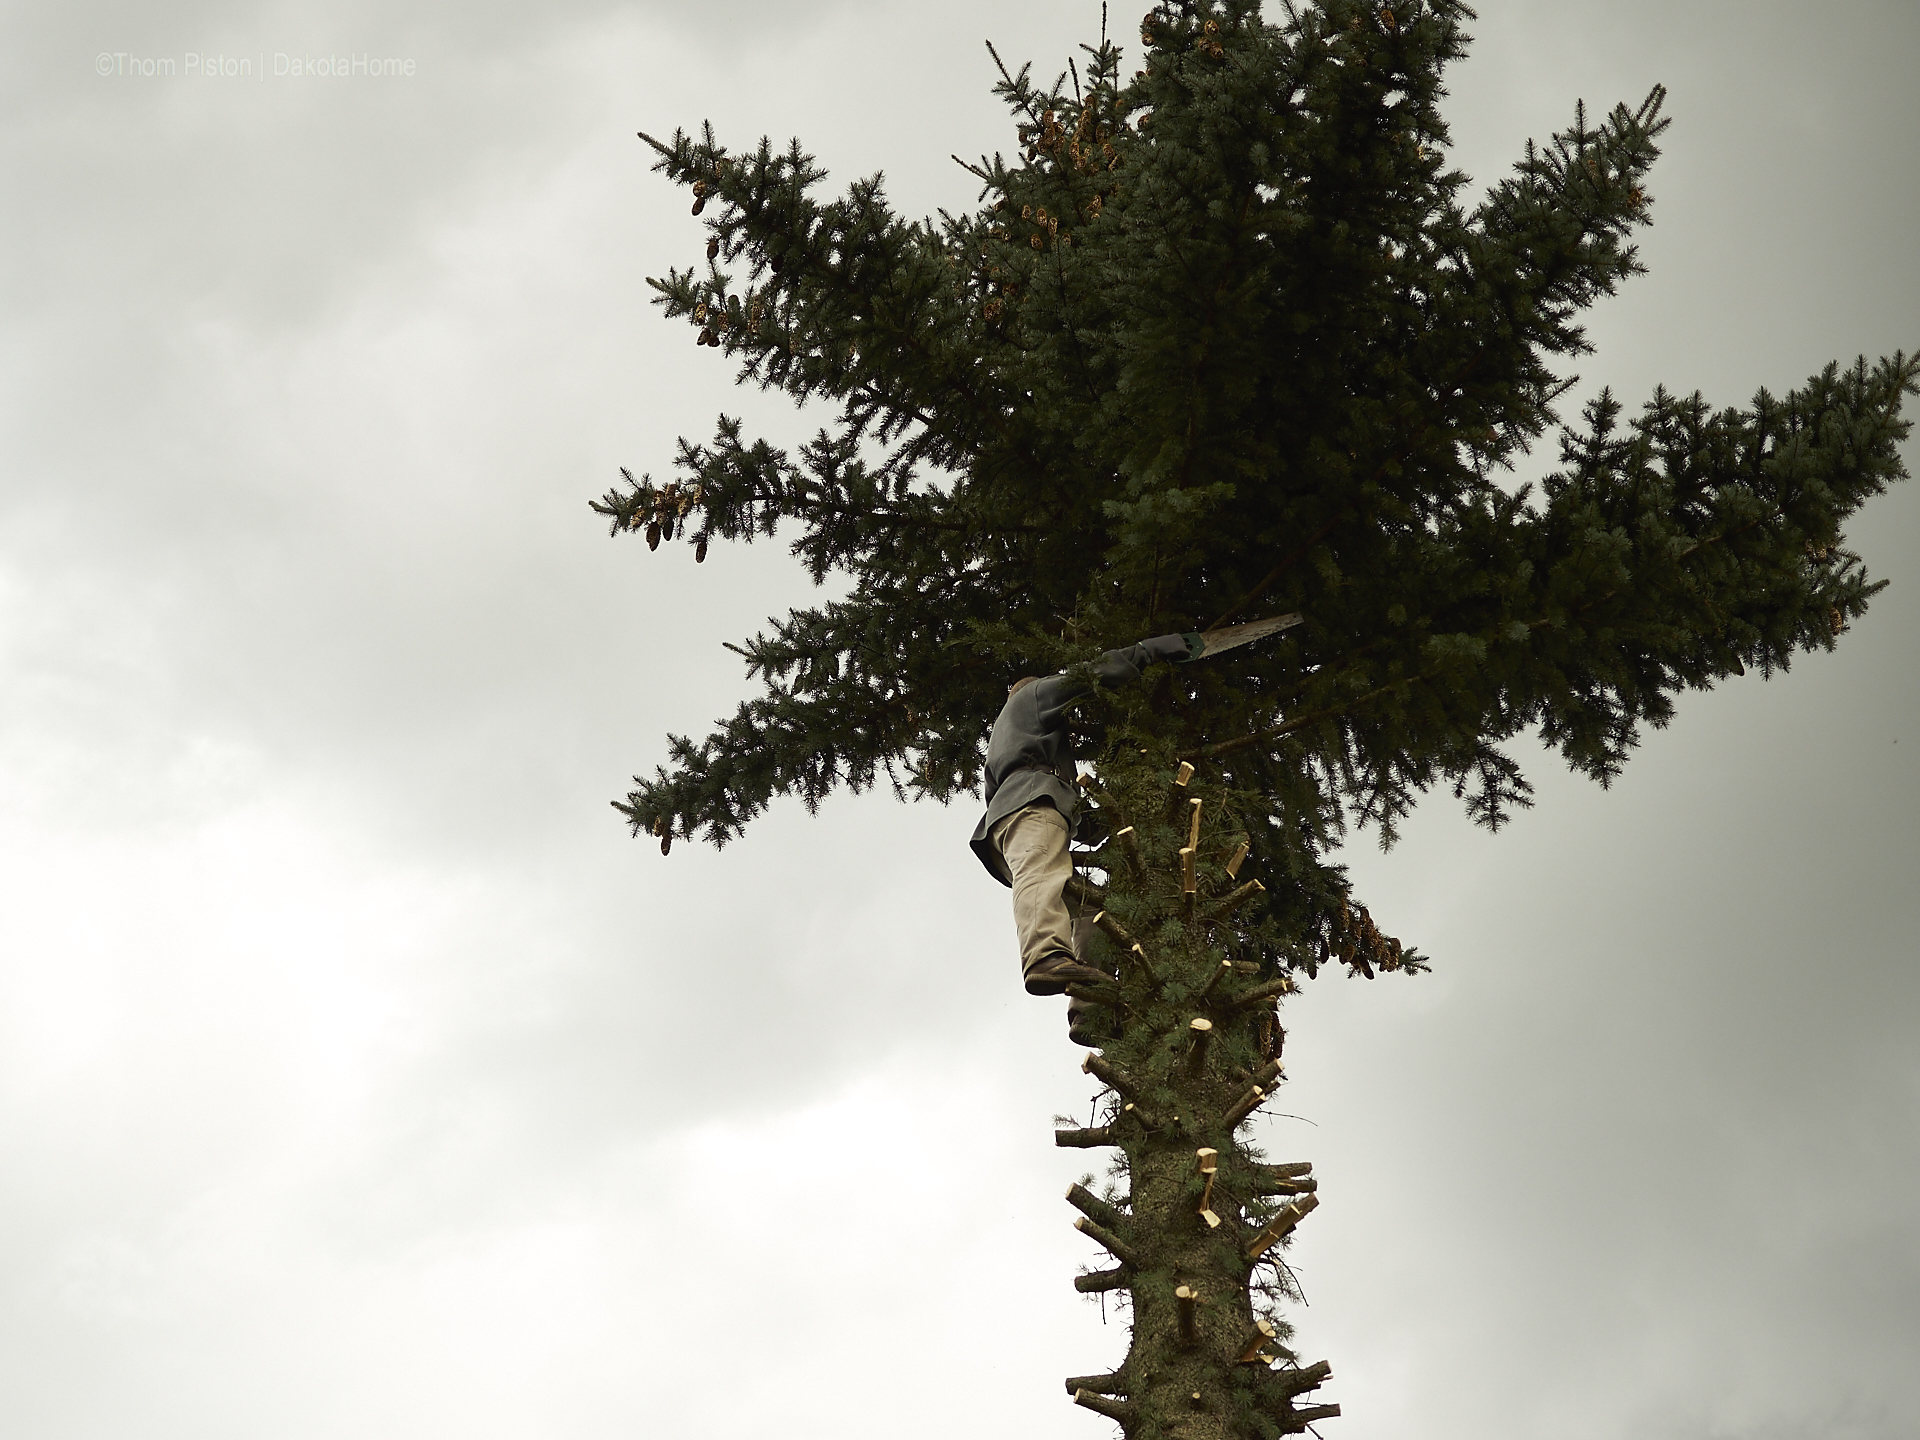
[1232,636]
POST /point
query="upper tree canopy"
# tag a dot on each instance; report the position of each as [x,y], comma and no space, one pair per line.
[1222,341]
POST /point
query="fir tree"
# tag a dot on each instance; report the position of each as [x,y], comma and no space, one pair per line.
[1223,340]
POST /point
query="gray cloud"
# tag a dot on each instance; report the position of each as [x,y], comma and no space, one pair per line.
[359,1076]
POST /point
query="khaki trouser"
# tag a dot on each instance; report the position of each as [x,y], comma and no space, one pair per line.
[1033,842]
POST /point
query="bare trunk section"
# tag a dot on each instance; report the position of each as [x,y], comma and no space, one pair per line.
[1195,1222]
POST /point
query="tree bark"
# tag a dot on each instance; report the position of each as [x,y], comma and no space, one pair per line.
[1186,1069]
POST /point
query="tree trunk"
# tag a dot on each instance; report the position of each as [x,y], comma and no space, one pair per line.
[1197,1223]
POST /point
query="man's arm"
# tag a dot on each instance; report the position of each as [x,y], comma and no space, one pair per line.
[1113,669]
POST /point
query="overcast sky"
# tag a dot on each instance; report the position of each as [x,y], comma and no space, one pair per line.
[359,1077]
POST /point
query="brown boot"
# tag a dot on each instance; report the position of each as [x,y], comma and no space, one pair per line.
[1091,1025]
[1055,972]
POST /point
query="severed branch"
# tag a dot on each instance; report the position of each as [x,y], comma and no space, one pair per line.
[1239,859]
[1286,1384]
[1300,1419]
[1232,900]
[1178,799]
[1115,1383]
[1265,990]
[1186,1301]
[1243,1107]
[1267,1074]
[1224,969]
[1108,995]
[1104,1069]
[1201,1030]
[1117,933]
[1262,1335]
[1206,1160]
[1101,1281]
[1114,931]
[1146,966]
[1082,891]
[1115,1246]
[1189,855]
[1122,1411]
[1093,1207]
[1084,1139]
[1277,1186]
[1282,1225]
[1129,840]
[1259,1086]
[1292,1172]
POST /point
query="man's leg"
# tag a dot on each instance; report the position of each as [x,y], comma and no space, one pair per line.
[1033,842]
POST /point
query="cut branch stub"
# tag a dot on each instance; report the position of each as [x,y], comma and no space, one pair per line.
[1262,1335]
[1200,1029]
[1099,796]
[1186,1304]
[1082,891]
[1300,1419]
[1243,1107]
[1107,995]
[1084,1139]
[1265,990]
[1177,801]
[1289,1170]
[1093,1207]
[1110,1384]
[1129,840]
[1288,1383]
[1233,900]
[1100,1281]
[1115,1246]
[1105,1070]
[1267,1074]
[1276,1186]
[1220,972]
[1239,859]
[1189,881]
[1114,931]
[1122,1411]
[1282,1225]
[1193,823]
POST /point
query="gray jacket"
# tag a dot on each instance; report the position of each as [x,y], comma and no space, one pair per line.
[1028,759]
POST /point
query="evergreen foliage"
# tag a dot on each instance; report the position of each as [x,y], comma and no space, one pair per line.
[1225,339]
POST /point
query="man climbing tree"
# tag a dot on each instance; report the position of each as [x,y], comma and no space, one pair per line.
[1224,340]
[1033,808]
